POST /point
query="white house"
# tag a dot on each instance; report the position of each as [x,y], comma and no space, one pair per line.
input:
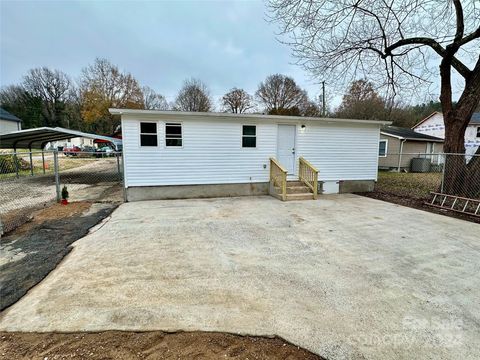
[433,125]
[170,154]
[9,122]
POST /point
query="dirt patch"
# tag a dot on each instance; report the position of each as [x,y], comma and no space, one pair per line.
[29,253]
[417,204]
[146,345]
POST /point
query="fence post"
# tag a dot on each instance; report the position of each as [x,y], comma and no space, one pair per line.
[118,163]
[43,161]
[31,163]
[15,160]
[123,179]
[443,173]
[57,175]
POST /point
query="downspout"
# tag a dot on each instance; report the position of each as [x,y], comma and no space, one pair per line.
[400,155]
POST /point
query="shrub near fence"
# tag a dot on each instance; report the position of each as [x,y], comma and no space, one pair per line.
[10,164]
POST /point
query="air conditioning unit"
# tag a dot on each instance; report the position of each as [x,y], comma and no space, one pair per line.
[420,165]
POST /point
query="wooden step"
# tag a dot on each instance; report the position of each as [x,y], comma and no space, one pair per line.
[295,183]
[301,196]
[295,189]
[298,189]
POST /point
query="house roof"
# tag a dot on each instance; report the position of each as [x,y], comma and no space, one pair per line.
[475,119]
[38,137]
[226,116]
[5,115]
[408,134]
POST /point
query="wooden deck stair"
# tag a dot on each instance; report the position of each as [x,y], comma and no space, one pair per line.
[305,188]
[296,190]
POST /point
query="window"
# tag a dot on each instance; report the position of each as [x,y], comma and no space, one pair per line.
[249,136]
[382,148]
[148,134]
[478,131]
[173,134]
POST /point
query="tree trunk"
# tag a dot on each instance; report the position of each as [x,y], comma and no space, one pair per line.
[461,173]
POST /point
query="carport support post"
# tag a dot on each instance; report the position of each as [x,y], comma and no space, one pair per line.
[57,175]
[15,160]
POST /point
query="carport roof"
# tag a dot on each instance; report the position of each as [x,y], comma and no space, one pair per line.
[37,138]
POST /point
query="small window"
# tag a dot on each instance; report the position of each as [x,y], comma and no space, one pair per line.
[249,136]
[148,134]
[382,148]
[478,131]
[173,134]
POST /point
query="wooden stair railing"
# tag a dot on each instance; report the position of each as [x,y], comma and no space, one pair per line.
[278,178]
[308,174]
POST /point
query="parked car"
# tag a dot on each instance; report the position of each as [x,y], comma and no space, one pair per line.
[104,152]
[71,151]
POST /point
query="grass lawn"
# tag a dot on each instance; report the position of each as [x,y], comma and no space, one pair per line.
[64,163]
[411,185]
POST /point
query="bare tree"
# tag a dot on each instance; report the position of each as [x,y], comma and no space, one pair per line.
[394,44]
[237,101]
[280,94]
[54,88]
[193,96]
[153,100]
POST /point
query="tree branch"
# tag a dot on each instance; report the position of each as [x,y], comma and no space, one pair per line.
[457,64]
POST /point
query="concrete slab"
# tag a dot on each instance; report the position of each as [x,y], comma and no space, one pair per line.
[345,276]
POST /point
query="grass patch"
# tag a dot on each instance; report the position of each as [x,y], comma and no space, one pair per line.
[411,185]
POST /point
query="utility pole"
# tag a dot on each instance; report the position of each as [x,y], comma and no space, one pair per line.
[323,99]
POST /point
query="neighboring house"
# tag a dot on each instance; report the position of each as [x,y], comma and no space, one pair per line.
[398,146]
[9,122]
[170,154]
[433,125]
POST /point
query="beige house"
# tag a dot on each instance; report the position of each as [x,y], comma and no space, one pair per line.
[398,146]
[8,122]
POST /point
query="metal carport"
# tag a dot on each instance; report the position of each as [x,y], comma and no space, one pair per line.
[37,138]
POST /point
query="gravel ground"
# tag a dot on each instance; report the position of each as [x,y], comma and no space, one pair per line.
[346,277]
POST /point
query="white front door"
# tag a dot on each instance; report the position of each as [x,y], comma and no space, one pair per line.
[286,147]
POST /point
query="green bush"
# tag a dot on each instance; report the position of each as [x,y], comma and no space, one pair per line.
[7,164]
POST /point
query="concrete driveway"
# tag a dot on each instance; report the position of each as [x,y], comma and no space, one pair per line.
[345,276]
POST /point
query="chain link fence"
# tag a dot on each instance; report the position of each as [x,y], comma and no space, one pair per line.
[416,175]
[33,180]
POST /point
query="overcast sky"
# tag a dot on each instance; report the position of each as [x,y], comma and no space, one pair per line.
[225,44]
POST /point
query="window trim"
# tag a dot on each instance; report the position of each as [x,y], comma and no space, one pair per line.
[140,135]
[254,136]
[165,135]
[386,147]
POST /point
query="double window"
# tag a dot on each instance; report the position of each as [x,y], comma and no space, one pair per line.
[173,134]
[149,134]
[383,148]
[249,136]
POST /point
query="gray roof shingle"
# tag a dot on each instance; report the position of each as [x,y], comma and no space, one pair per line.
[408,134]
[5,115]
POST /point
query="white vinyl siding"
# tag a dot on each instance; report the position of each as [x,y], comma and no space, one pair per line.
[341,152]
[212,152]
[7,126]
